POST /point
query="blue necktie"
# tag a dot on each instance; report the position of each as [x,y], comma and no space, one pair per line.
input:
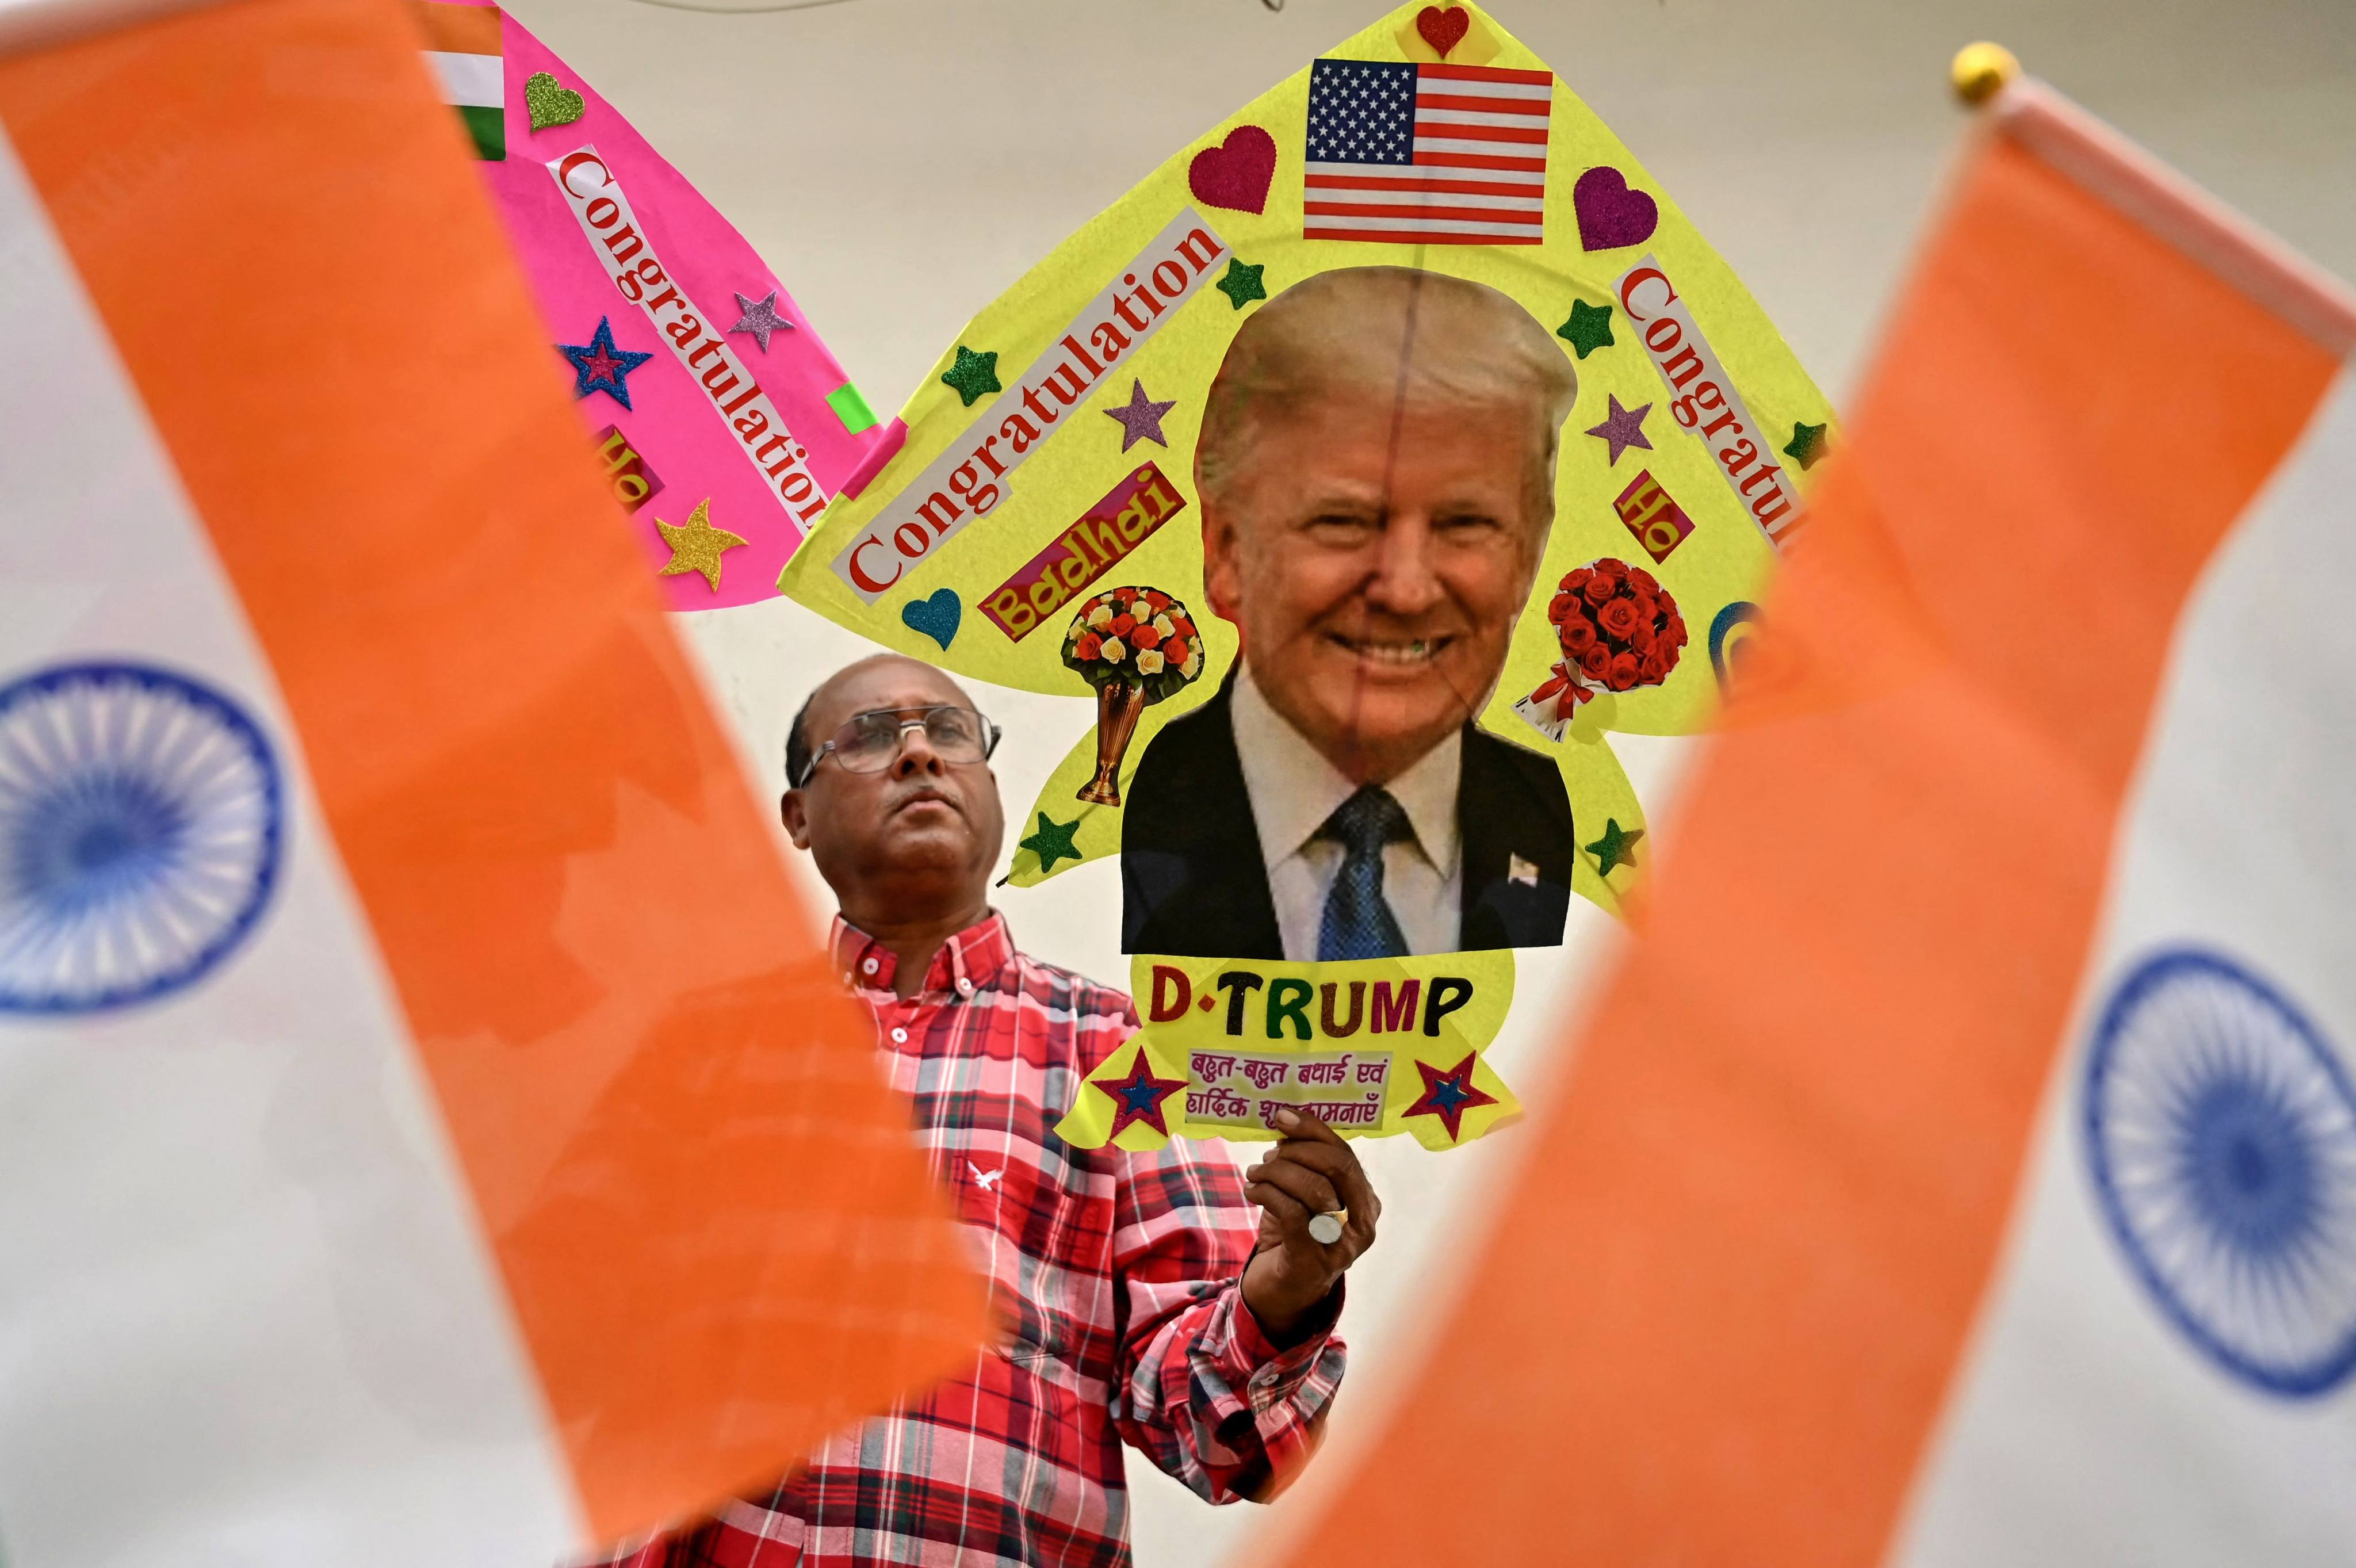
[1358,923]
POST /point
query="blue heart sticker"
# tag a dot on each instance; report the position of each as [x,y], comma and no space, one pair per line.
[937,617]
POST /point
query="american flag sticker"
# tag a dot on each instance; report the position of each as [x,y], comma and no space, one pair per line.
[1441,154]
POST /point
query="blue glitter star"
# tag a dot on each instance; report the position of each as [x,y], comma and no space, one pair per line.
[598,366]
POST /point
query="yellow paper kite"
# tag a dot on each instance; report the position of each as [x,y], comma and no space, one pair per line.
[1368,464]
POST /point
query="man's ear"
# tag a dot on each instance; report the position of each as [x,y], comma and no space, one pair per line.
[1222,572]
[791,812]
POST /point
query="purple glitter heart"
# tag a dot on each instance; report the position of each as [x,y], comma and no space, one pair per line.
[1612,216]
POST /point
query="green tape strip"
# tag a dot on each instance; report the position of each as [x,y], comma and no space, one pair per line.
[851,409]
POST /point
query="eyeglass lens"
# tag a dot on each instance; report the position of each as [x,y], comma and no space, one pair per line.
[869,742]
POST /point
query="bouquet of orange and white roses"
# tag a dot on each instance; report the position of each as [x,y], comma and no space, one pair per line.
[1139,637]
[1135,646]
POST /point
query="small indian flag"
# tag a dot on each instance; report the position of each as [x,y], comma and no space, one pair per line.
[1983,1189]
[461,44]
[403,1157]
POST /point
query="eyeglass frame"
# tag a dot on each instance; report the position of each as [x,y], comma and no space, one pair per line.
[993,734]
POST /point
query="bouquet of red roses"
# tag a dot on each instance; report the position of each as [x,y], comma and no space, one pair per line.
[1135,646]
[1618,629]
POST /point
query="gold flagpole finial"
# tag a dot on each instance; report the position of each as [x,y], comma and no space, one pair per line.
[1981,70]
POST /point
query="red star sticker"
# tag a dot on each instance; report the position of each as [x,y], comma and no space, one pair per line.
[1449,1095]
[1139,1098]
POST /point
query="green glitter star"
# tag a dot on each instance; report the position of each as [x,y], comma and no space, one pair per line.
[1617,847]
[1807,444]
[1588,328]
[1053,842]
[1242,283]
[973,374]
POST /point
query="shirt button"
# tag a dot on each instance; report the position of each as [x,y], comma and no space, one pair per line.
[868,968]
[899,1037]
[964,987]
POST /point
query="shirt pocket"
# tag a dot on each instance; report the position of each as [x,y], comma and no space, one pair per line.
[1042,1223]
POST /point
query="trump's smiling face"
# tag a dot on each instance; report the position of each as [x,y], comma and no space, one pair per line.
[1376,474]
[1376,555]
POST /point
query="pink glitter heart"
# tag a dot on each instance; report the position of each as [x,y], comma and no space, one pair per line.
[1612,216]
[1236,172]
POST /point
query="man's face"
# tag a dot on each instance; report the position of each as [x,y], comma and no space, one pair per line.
[922,825]
[1377,556]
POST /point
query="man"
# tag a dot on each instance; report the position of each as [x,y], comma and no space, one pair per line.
[1139,1303]
[1376,474]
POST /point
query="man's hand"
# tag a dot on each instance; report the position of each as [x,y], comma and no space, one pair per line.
[1312,1172]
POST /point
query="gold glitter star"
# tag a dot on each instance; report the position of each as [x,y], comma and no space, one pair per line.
[695,544]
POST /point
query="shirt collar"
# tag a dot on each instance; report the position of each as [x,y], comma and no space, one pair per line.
[1294,789]
[968,961]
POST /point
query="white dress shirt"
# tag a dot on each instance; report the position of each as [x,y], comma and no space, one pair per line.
[1293,789]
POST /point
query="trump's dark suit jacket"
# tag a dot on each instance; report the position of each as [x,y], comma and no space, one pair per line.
[1193,884]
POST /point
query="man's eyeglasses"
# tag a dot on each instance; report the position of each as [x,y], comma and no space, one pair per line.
[871,742]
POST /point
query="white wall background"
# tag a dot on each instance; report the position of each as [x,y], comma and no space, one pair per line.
[900,162]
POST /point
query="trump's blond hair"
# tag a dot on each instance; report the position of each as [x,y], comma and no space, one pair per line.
[1424,337]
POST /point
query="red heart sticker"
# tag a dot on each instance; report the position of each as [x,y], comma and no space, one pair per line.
[1237,172]
[1443,30]
[1609,214]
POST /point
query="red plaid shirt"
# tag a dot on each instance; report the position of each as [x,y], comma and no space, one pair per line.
[1118,1272]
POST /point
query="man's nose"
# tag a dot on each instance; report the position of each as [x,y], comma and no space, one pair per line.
[916,754]
[1404,583]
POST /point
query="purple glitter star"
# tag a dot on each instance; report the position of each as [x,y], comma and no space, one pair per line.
[1624,428]
[760,318]
[1141,420]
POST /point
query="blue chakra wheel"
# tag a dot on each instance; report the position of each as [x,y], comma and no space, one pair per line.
[2222,1131]
[140,824]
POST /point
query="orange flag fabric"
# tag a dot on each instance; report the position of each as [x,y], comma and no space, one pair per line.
[1961,1166]
[425,1143]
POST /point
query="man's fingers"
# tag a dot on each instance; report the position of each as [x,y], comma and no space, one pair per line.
[1338,1164]
[1360,1193]
[1307,1187]
[1298,1123]
[1289,1212]
[1329,1160]
[1301,1179]
[1316,1169]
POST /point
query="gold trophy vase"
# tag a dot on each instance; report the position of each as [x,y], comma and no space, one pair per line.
[1119,705]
